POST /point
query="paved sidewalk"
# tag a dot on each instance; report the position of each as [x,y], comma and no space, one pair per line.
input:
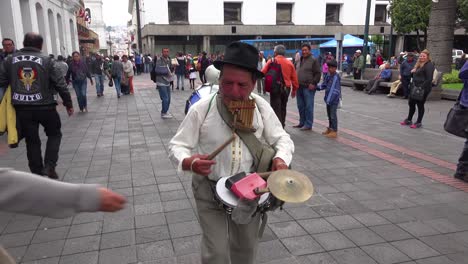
[384,193]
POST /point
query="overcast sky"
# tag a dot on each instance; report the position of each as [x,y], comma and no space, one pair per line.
[115,12]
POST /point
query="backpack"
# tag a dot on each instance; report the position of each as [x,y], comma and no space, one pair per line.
[274,77]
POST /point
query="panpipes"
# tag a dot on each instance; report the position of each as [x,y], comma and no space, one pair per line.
[243,112]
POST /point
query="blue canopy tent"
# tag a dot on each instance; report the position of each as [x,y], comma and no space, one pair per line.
[349,41]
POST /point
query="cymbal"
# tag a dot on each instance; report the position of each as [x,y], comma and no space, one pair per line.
[290,186]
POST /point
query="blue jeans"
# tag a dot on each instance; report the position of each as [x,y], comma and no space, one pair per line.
[99,83]
[332,117]
[180,77]
[117,86]
[80,90]
[305,104]
[165,95]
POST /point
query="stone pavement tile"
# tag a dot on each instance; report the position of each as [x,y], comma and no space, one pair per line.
[87,218]
[346,187]
[166,187]
[385,253]
[415,249]
[287,229]
[149,220]
[303,212]
[22,225]
[446,243]
[180,216]
[268,235]
[302,245]
[173,195]
[145,189]
[315,226]
[88,258]
[391,232]
[146,198]
[186,259]
[16,239]
[54,260]
[150,208]
[361,195]
[81,244]
[319,258]
[184,229]
[50,234]
[87,229]
[351,256]
[43,250]
[170,179]
[370,219]
[143,182]
[333,241]
[328,210]
[113,225]
[363,236]
[176,205]
[443,225]
[17,253]
[317,200]
[271,250]
[396,216]
[120,184]
[118,239]
[155,250]
[323,189]
[458,258]
[187,245]
[127,192]
[435,260]
[418,229]
[151,234]
[342,222]
[123,255]
[378,204]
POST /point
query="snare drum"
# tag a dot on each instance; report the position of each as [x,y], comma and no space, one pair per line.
[229,201]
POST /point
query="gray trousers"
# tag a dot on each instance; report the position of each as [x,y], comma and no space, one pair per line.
[223,241]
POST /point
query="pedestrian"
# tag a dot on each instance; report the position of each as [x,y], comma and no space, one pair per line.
[462,166]
[138,64]
[8,48]
[78,71]
[358,65]
[422,73]
[128,72]
[148,61]
[204,63]
[405,73]
[34,79]
[308,74]
[192,76]
[385,75]
[98,69]
[62,65]
[163,79]
[223,239]
[180,69]
[279,98]
[116,74]
[332,86]
[261,81]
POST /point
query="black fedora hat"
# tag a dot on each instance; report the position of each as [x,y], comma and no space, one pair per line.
[241,55]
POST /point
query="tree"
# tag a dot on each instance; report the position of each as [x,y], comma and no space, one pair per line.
[441,32]
[462,14]
[411,16]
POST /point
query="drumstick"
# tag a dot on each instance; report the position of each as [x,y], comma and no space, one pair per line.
[220,148]
[264,175]
[259,191]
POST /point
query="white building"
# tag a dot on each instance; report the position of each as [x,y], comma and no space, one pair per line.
[54,19]
[195,25]
[97,22]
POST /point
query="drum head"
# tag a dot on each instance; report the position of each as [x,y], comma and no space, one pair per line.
[230,199]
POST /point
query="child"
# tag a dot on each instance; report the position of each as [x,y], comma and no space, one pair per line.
[192,76]
[332,86]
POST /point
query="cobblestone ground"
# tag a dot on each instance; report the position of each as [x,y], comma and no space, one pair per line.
[384,193]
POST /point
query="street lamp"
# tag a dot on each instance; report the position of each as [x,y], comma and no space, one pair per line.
[390,41]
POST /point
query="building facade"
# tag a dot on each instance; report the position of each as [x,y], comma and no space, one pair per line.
[97,22]
[55,20]
[195,25]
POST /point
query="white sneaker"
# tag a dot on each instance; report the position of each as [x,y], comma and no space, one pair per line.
[166,116]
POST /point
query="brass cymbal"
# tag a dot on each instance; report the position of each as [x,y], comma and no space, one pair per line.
[290,186]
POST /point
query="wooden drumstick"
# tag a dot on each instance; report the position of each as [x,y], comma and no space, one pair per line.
[260,191]
[264,175]
[220,148]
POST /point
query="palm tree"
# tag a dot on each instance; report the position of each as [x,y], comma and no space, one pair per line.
[441,33]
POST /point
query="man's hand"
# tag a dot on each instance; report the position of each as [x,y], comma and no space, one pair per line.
[70,111]
[279,164]
[312,87]
[198,164]
[293,94]
[111,201]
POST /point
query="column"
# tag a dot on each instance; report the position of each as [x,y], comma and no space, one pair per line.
[206,44]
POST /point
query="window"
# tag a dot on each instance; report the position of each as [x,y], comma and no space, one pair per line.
[332,13]
[232,13]
[380,14]
[283,13]
[178,12]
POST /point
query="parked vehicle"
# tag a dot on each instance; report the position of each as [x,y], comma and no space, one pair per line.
[456,54]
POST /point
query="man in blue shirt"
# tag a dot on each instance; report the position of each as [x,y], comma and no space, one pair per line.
[462,167]
[384,76]
[405,73]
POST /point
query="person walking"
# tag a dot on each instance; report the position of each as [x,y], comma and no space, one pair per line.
[204,63]
[405,73]
[62,65]
[98,68]
[34,79]
[116,74]
[8,46]
[180,70]
[279,97]
[462,166]
[423,73]
[163,79]
[261,81]
[128,72]
[78,71]
[308,73]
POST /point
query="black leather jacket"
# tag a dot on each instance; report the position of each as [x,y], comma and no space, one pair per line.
[34,79]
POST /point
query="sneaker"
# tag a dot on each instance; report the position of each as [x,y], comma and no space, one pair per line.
[51,173]
[406,122]
[332,134]
[326,131]
[166,116]
[390,95]
[416,125]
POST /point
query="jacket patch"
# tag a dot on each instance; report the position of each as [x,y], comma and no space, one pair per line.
[27,97]
[31,58]
[27,76]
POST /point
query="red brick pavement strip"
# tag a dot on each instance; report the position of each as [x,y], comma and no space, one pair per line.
[389,145]
[445,179]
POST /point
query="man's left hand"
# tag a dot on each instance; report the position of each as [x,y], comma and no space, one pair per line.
[293,94]
[312,87]
[279,164]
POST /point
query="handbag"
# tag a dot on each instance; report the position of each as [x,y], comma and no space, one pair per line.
[457,120]
[416,92]
[161,70]
[111,83]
